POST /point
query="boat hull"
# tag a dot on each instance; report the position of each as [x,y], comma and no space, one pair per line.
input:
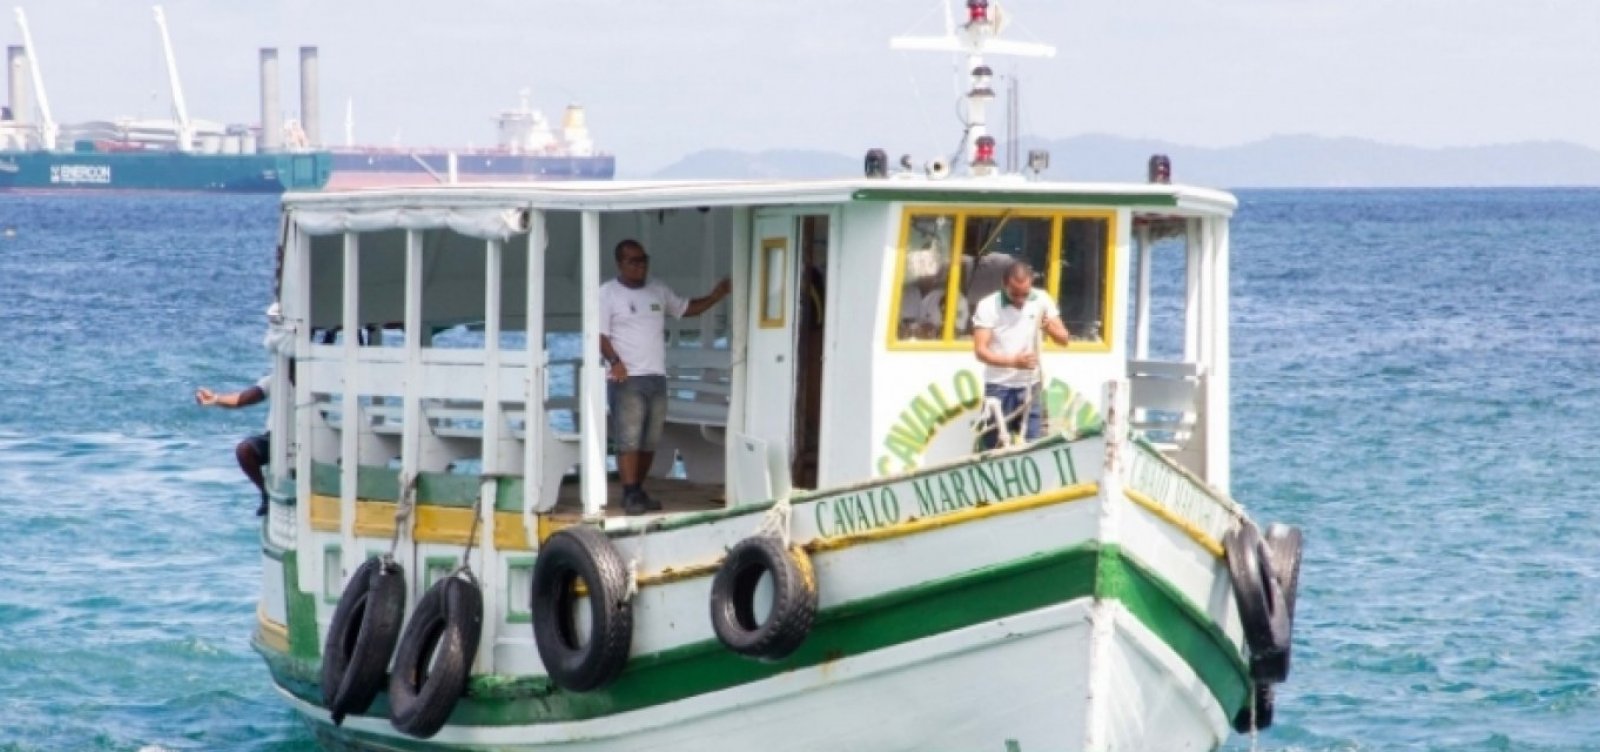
[162,171]
[1064,616]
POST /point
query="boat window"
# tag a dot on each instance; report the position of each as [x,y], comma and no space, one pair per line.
[774,253]
[938,290]
[925,276]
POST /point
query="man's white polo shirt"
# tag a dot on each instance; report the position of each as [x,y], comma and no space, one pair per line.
[1016,331]
[635,320]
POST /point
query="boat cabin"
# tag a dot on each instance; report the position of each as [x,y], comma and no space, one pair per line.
[449,336]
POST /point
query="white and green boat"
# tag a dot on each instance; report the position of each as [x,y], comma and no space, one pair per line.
[836,565]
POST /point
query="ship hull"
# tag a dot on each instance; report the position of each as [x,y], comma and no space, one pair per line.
[162,171]
[378,169]
[1060,615]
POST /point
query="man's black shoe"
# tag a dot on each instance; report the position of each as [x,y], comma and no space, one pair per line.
[634,503]
[261,510]
[650,502]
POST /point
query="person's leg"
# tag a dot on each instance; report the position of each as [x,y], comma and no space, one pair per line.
[1011,401]
[1035,396]
[627,429]
[252,454]
[991,438]
[654,389]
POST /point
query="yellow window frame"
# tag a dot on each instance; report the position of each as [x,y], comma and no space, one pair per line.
[1058,217]
[768,246]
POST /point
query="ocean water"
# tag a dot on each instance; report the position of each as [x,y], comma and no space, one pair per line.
[1415,385]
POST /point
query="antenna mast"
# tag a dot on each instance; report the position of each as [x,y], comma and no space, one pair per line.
[977,37]
[47,124]
[185,133]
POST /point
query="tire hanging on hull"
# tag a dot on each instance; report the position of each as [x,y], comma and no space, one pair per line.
[435,657]
[1259,597]
[361,638]
[575,663]
[794,599]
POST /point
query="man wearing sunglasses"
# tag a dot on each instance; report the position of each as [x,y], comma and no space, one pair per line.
[633,311]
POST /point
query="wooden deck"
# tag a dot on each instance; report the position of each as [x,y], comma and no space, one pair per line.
[676,496]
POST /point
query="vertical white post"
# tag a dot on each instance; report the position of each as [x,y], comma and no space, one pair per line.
[350,406]
[591,376]
[538,421]
[411,407]
[708,276]
[489,567]
[1219,372]
[1208,289]
[1192,313]
[1141,334]
[297,308]
[738,320]
[1103,611]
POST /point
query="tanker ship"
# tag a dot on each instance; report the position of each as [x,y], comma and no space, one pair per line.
[527,149]
[176,154]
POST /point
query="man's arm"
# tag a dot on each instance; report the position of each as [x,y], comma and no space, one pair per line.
[618,372]
[1057,330]
[981,339]
[702,304]
[243,398]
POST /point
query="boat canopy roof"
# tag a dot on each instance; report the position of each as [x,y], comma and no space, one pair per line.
[492,210]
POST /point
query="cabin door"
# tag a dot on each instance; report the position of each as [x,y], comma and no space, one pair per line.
[770,359]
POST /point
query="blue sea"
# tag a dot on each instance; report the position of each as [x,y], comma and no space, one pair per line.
[1417,385]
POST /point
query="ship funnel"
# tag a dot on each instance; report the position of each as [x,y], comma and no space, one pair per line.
[271,118]
[310,115]
[575,131]
[17,79]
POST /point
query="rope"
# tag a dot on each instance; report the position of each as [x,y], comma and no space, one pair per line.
[633,565]
[777,522]
[472,540]
[402,514]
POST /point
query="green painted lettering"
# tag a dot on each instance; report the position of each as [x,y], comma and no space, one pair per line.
[1031,480]
[946,409]
[822,529]
[931,419]
[841,517]
[925,501]
[1011,478]
[968,391]
[1064,466]
[981,473]
[890,503]
[958,484]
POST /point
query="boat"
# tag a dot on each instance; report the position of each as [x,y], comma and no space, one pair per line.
[837,564]
[526,149]
[178,154]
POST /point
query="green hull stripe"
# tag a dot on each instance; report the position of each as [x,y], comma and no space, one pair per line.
[851,629]
[1179,623]
[957,196]
[302,612]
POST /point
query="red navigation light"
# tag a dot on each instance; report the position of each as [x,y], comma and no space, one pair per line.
[977,11]
[984,151]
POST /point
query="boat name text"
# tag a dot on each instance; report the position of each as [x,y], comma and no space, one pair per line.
[942,493]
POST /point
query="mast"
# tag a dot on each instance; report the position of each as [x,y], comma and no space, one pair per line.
[47,124]
[185,134]
[977,37]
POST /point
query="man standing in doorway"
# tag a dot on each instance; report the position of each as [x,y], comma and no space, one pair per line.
[633,310]
[1005,337]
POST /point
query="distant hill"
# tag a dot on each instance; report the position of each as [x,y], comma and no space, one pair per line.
[1281,161]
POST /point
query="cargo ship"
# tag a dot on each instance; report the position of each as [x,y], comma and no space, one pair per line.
[177,154]
[527,149]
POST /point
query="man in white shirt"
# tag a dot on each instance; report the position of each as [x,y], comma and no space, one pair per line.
[1006,331]
[633,311]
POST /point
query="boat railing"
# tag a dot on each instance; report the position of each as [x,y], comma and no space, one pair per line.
[1165,397]
[455,408]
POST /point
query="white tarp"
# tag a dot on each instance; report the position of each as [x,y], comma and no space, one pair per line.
[484,223]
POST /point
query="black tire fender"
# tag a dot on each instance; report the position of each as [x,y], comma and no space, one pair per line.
[1284,542]
[794,599]
[1262,700]
[435,657]
[572,554]
[1262,611]
[361,638]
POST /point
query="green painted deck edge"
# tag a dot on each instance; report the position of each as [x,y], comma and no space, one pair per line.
[434,489]
[847,630]
[1000,196]
[302,612]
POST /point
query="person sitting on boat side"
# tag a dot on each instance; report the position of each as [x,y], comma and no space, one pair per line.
[1005,338]
[633,310]
[252,453]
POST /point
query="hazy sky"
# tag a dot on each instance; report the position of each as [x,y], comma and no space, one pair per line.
[662,78]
